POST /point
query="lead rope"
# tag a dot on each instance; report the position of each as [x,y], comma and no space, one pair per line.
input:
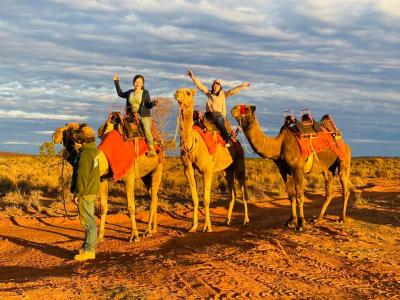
[71,217]
[177,126]
[243,138]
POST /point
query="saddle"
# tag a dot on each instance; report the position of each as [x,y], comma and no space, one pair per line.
[314,137]
[128,126]
[307,127]
[206,123]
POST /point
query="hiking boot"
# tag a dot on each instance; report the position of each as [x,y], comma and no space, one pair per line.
[85,255]
[151,152]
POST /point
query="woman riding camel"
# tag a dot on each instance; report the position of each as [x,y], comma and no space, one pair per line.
[138,101]
[216,102]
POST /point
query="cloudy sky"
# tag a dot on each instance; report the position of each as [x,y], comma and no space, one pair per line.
[341,57]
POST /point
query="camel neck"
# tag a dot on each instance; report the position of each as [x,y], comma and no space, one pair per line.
[186,132]
[263,145]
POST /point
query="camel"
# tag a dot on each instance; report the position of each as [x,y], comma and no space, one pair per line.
[195,155]
[149,169]
[285,152]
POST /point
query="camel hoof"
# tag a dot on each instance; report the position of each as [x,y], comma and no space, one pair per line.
[291,224]
[193,229]
[299,228]
[342,220]
[317,220]
[206,229]
[228,222]
[134,239]
[100,239]
[147,234]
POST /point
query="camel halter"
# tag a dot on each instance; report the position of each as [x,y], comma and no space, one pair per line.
[67,215]
[244,141]
[185,149]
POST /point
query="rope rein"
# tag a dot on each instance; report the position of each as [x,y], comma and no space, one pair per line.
[176,127]
[243,138]
[70,217]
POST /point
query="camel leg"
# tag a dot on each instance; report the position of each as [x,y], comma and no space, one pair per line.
[207,179]
[153,191]
[245,198]
[130,194]
[344,174]
[230,180]
[289,182]
[189,174]
[298,178]
[328,176]
[104,208]
[241,177]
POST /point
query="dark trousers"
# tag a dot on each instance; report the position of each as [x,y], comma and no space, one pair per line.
[220,122]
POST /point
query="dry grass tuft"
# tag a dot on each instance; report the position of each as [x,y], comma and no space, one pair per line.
[31,185]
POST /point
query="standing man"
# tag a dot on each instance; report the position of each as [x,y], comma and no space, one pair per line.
[216,102]
[85,185]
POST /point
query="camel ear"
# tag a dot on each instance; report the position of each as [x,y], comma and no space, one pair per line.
[194,92]
[253,108]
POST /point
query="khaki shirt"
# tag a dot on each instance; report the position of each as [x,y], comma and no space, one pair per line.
[215,103]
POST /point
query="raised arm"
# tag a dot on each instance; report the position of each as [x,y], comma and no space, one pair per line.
[118,88]
[237,89]
[197,82]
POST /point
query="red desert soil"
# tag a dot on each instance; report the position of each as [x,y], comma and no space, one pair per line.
[359,259]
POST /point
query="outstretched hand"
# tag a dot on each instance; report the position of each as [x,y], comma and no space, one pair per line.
[116,76]
[190,73]
[246,84]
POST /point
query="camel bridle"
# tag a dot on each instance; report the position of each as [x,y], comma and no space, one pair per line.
[185,149]
[242,114]
[69,146]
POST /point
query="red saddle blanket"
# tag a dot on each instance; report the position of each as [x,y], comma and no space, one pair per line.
[209,139]
[121,153]
[320,142]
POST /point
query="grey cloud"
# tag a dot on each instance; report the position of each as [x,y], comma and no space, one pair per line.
[63,54]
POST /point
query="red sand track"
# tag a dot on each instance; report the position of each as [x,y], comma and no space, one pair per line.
[356,260]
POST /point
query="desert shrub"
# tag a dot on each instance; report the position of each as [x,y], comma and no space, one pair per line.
[25,201]
[376,167]
[359,200]
[26,180]
[357,181]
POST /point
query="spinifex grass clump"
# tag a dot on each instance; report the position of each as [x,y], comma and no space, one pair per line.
[32,185]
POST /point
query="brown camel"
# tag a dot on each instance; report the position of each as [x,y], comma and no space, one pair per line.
[285,152]
[195,155]
[149,169]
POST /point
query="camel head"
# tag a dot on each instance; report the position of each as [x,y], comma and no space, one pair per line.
[72,136]
[244,115]
[185,97]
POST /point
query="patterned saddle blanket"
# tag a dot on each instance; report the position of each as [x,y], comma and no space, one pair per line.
[313,136]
